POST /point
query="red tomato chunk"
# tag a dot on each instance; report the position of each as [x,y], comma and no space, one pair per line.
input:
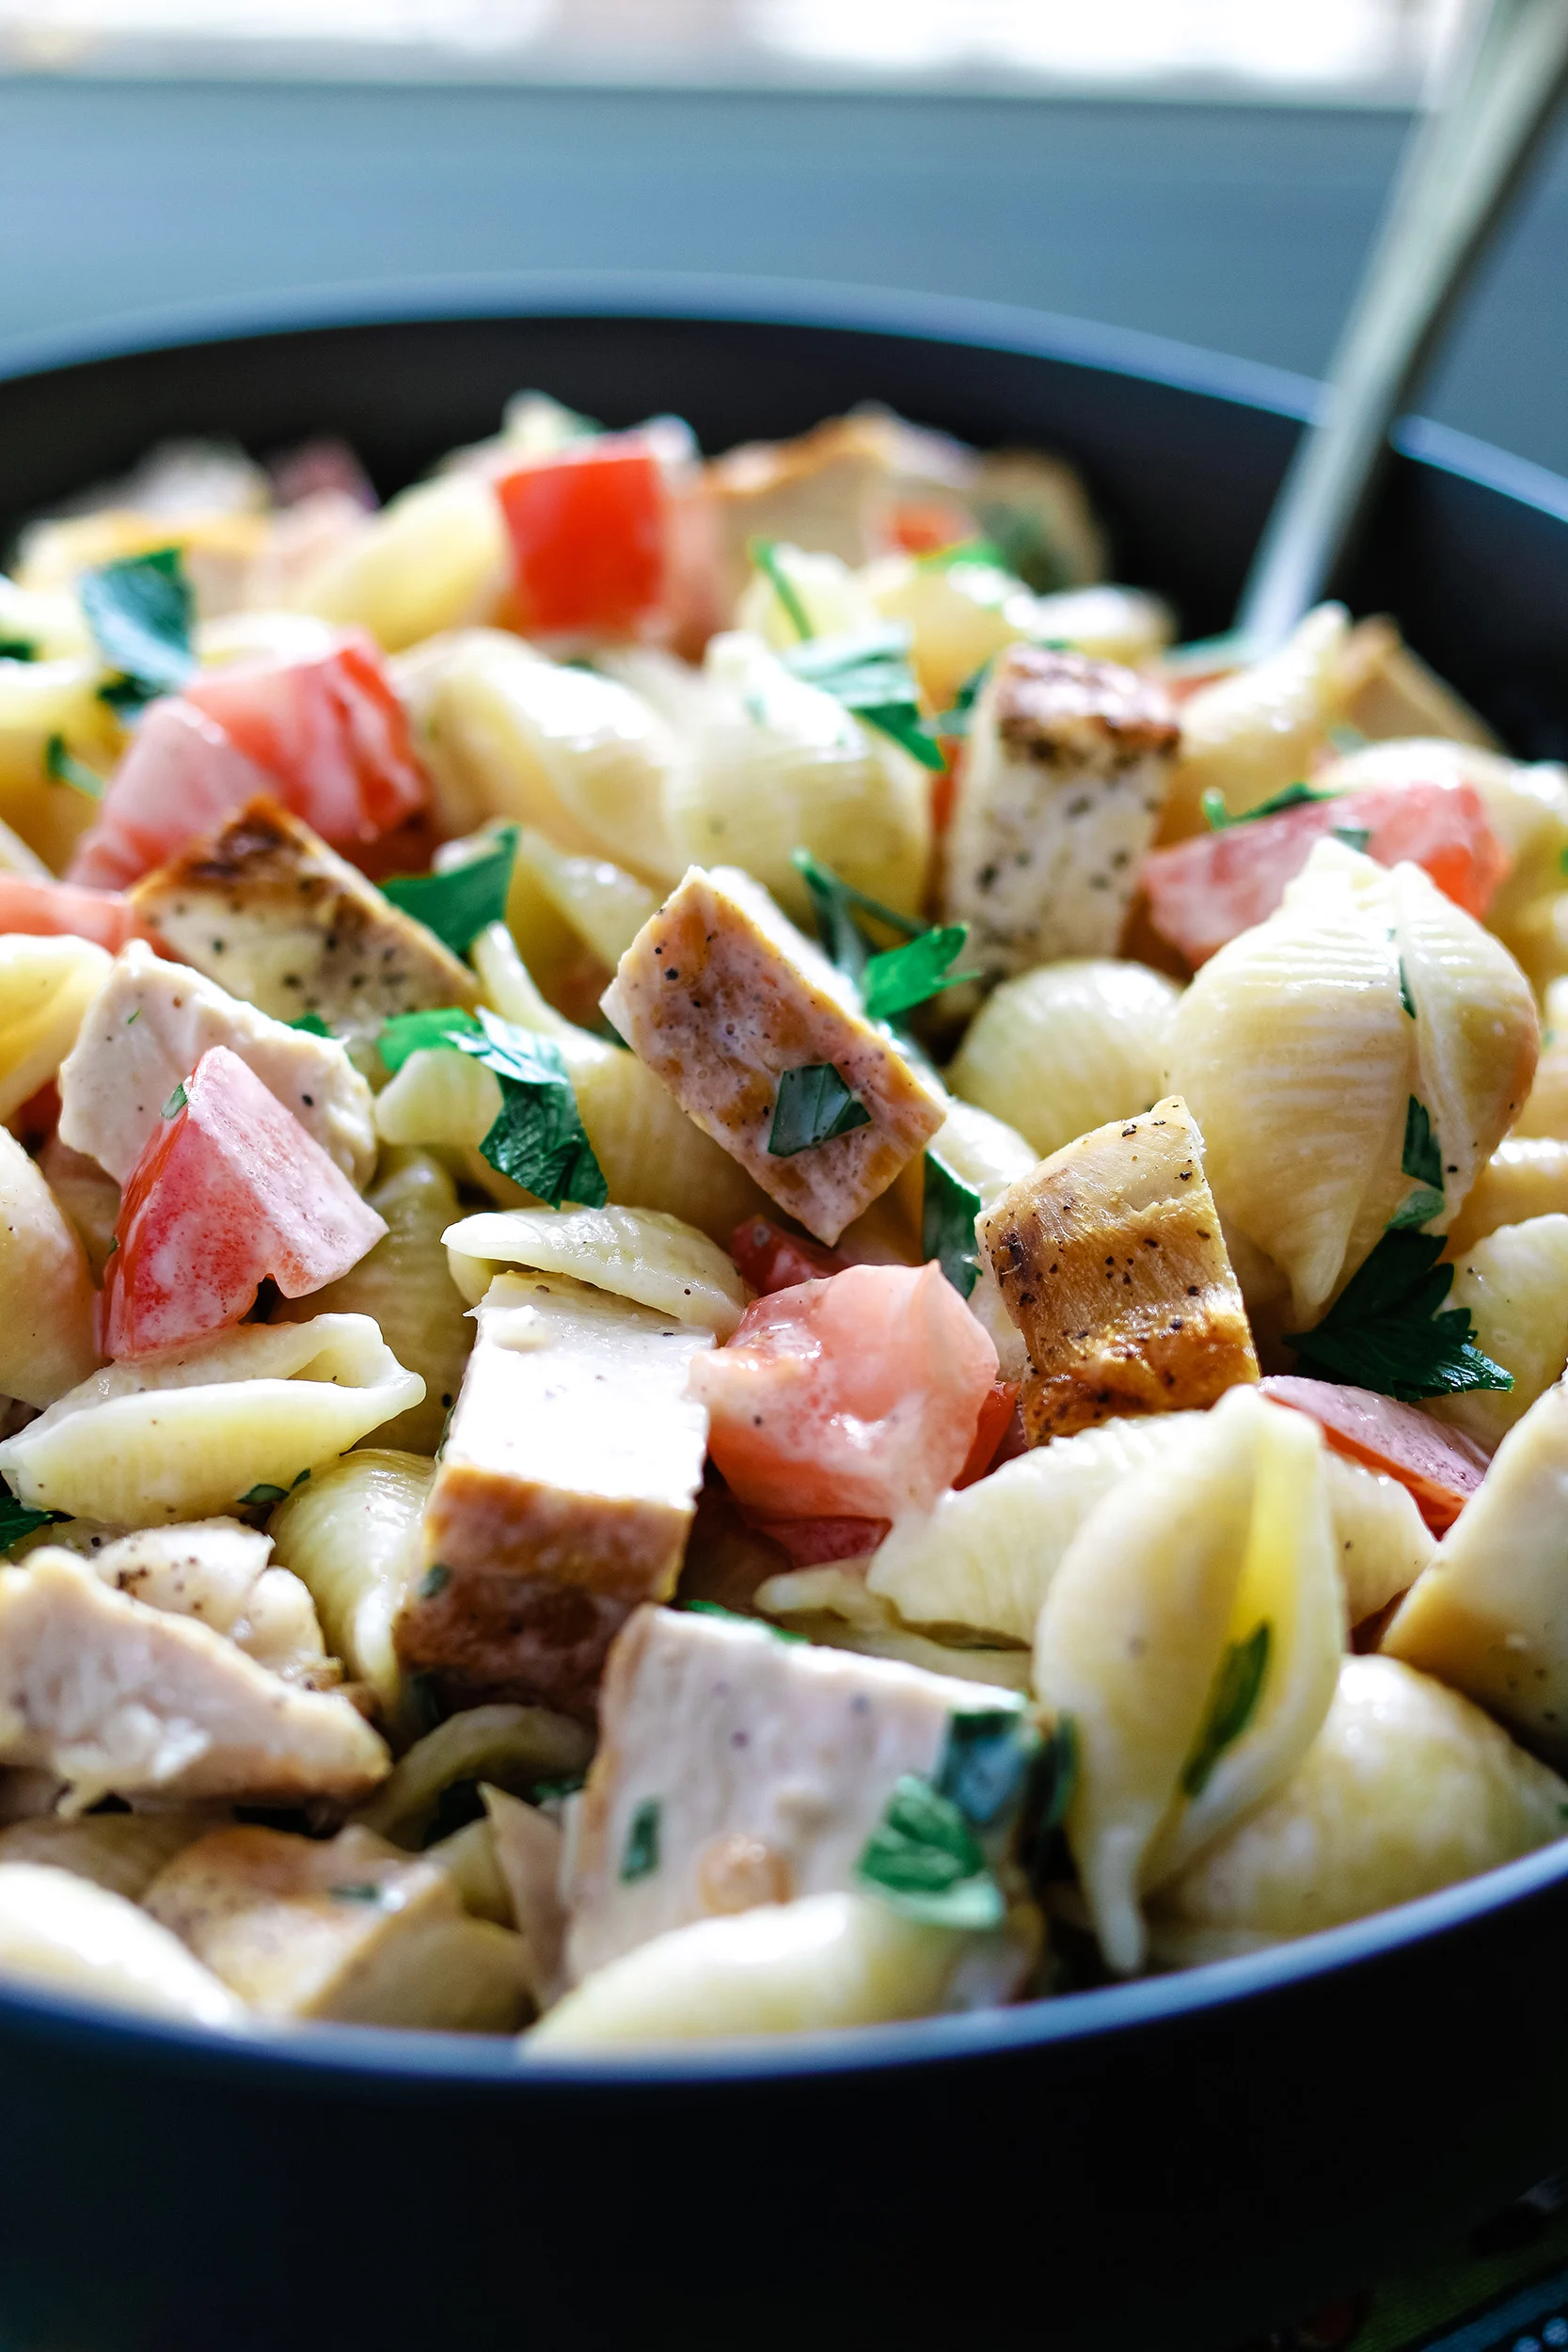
[1204,892]
[772,1260]
[854,1397]
[590,531]
[228,1189]
[323,731]
[1441,1467]
[48,909]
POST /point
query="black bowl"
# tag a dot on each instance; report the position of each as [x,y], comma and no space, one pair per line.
[1173,2163]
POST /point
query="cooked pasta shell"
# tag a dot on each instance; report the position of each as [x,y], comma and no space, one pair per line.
[62,1933]
[516,1747]
[637,1253]
[1381,1540]
[1516,1285]
[1152,1639]
[38,701]
[1296,1057]
[1406,1788]
[434,558]
[1068,1046]
[181,1435]
[832,600]
[46,1336]
[46,985]
[1253,733]
[123,1851]
[1526,1177]
[604,905]
[812,1966]
[405,1285]
[778,766]
[351,1536]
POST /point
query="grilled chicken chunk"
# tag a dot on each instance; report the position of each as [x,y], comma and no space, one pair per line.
[121,1699]
[1110,1261]
[1061,785]
[266,908]
[349,1929]
[146,1030]
[564,1493]
[722,999]
[216,1570]
[736,1767]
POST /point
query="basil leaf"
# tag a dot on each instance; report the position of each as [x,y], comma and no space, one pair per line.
[764,555]
[639,1855]
[312,1024]
[1232,1703]
[948,1214]
[140,613]
[1218,817]
[905,976]
[924,1858]
[1422,1156]
[59,764]
[19,1519]
[1384,1332]
[465,900]
[539,1139]
[418,1032]
[869,673]
[814,1104]
[986,1762]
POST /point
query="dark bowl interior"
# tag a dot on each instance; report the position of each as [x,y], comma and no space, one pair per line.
[1176,2163]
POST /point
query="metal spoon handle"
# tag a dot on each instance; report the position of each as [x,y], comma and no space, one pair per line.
[1460,168]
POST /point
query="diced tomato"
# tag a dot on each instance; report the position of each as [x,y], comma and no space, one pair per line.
[854,1397]
[925,526]
[44,909]
[321,729]
[997,1412]
[771,1260]
[588,527]
[817,1543]
[1441,1468]
[228,1189]
[35,1120]
[1208,890]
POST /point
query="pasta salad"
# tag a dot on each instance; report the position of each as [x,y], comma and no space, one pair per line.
[759,1274]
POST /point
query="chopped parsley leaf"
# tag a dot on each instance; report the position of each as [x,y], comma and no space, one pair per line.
[924,1858]
[1384,1332]
[434,1580]
[1024,546]
[1406,997]
[1353,836]
[421,1032]
[539,1139]
[905,976]
[60,763]
[1419,1209]
[312,1024]
[763,554]
[362,1891]
[459,903]
[869,673]
[1218,817]
[835,903]
[737,1616]
[264,1493]
[18,649]
[1052,1782]
[1422,1157]
[639,1855]
[1232,1703]
[176,1103]
[956,721]
[19,1521]
[552,1791]
[975,550]
[815,1104]
[988,1759]
[948,1214]
[140,612]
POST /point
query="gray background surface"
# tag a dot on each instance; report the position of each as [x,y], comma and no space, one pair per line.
[1240,226]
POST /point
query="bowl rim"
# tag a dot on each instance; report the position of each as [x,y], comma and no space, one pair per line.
[370,2054]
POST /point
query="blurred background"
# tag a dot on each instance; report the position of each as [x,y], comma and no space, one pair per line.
[1209,170]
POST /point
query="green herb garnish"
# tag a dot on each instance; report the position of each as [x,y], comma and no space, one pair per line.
[639,1855]
[552,1791]
[986,1760]
[1024,546]
[1423,1159]
[869,673]
[18,649]
[956,721]
[19,1521]
[925,1859]
[902,977]
[1218,817]
[364,1891]
[176,1103]
[835,904]
[1232,1703]
[434,1580]
[948,1214]
[763,554]
[539,1140]
[140,613]
[459,903]
[312,1024]
[1353,836]
[736,1616]
[815,1104]
[1406,997]
[975,550]
[409,1033]
[60,763]
[264,1493]
[1384,1332]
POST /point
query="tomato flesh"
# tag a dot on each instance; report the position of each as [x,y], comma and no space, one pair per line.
[1206,891]
[323,731]
[228,1189]
[771,1260]
[853,1397]
[48,909]
[818,1543]
[1440,1466]
[589,527]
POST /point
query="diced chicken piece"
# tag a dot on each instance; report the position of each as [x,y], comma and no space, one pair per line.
[814,491]
[347,1929]
[1110,1261]
[148,1027]
[64,1934]
[216,1570]
[563,1494]
[121,1699]
[737,1768]
[720,997]
[1059,790]
[123,1851]
[266,908]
